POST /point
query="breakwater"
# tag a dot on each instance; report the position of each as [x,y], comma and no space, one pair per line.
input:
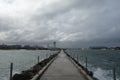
[56,67]
[83,69]
[62,68]
[30,73]
[103,63]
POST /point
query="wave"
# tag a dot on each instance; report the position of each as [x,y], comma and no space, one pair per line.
[103,74]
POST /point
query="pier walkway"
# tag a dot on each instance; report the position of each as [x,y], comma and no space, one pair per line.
[62,69]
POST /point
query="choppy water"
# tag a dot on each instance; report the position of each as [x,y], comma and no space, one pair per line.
[101,62]
[22,60]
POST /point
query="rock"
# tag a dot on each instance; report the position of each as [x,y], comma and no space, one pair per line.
[90,73]
[21,77]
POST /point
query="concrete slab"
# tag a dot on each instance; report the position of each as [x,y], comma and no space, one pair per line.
[62,69]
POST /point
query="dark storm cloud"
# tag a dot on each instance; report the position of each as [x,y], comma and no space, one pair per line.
[79,22]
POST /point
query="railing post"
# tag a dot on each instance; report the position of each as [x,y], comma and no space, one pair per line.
[73,56]
[114,73]
[86,63]
[77,57]
[11,70]
[38,59]
[46,55]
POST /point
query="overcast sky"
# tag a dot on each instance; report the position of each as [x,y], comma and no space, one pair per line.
[71,23]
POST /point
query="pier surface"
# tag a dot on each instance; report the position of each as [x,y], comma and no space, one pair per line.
[62,69]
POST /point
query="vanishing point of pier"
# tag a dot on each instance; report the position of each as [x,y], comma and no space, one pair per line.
[62,68]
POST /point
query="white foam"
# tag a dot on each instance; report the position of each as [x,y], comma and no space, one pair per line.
[103,74]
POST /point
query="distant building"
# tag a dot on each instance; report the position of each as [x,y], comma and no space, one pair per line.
[54,44]
[98,47]
[48,46]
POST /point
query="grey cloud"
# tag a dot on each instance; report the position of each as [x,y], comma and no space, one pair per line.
[9,1]
[5,24]
[71,23]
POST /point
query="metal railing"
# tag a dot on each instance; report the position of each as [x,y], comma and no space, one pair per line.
[76,56]
[11,67]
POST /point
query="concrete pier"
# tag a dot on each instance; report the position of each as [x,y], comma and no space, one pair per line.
[62,69]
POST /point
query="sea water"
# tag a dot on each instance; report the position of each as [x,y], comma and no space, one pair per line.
[101,62]
[21,59]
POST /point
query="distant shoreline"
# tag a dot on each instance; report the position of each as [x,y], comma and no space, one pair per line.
[25,47]
[29,49]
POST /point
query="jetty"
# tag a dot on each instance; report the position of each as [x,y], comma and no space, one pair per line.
[59,66]
[63,68]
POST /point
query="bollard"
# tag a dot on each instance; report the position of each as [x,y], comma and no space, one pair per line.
[38,59]
[11,70]
[114,73]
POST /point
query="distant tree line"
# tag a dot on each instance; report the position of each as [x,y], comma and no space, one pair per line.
[28,47]
[111,48]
